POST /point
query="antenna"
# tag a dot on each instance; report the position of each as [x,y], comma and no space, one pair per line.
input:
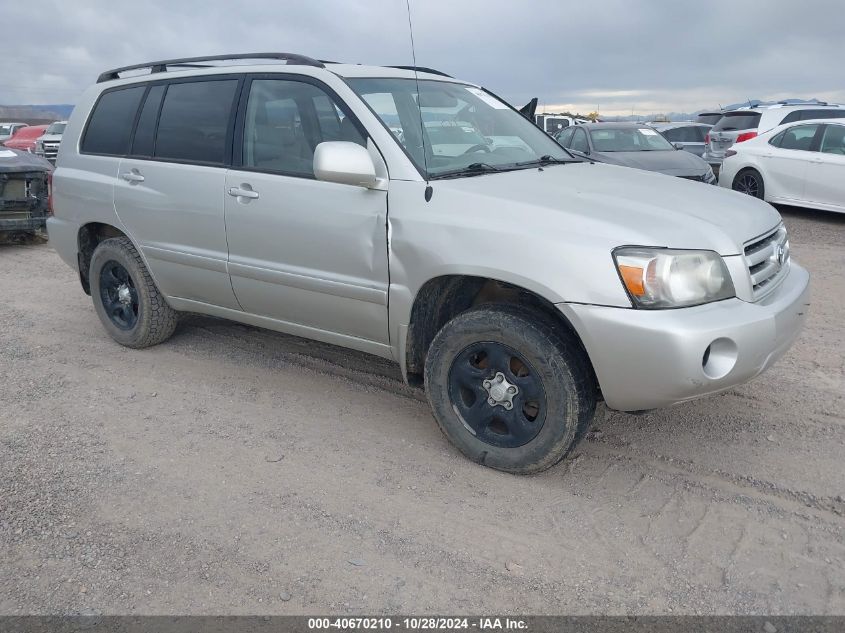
[419,97]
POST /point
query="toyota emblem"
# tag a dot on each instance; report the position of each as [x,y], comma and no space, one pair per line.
[780,254]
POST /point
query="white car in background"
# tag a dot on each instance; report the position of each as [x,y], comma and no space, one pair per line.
[800,164]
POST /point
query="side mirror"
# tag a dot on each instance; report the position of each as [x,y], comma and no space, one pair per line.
[344,163]
[678,145]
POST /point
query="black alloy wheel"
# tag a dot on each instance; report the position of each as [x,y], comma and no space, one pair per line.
[119,295]
[498,395]
[749,183]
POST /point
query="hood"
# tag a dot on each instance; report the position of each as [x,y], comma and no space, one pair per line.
[14,161]
[50,137]
[614,206]
[673,163]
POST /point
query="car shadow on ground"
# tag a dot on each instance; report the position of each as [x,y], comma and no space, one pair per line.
[826,217]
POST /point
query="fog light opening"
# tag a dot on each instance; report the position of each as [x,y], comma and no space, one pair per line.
[719,358]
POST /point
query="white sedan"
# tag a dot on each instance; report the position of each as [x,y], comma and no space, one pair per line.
[801,163]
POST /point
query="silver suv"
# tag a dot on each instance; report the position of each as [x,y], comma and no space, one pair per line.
[741,125]
[419,218]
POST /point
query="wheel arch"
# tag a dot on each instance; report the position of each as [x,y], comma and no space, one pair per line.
[442,298]
[88,238]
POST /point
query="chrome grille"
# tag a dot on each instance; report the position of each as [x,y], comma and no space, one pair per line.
[51,150]
[767,258]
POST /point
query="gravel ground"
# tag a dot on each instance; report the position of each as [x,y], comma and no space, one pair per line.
[235,470]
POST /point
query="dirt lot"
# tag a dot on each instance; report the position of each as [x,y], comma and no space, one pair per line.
[234,470]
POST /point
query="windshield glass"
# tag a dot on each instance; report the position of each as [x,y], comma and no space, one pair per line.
[56,128]
[462,126]
[629,139]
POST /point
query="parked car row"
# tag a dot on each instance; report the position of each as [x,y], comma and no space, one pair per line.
[23,139]
[800,163]
[8,129]
[516,282]
[634,145]
[42,140]
[738,126]
[784,153]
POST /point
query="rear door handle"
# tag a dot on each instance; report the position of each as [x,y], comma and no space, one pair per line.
[132,177]
[238,192]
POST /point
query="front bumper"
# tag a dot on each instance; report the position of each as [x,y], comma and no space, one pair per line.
[647,359]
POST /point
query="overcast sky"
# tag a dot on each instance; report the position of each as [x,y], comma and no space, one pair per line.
[647,55]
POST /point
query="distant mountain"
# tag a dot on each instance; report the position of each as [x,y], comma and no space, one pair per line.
[26,113]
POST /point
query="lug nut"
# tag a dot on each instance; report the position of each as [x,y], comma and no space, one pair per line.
[511,389]
[486,383]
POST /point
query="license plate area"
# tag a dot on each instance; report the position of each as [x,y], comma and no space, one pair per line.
[15,189]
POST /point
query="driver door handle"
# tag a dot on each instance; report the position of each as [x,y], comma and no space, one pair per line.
[237,192]
[132,177]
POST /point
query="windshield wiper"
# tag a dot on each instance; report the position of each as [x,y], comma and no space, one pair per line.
[473,169]
[546,159]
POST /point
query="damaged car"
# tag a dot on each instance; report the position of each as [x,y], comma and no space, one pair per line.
[24,192]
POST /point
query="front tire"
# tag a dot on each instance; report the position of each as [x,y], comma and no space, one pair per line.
[749,182]
[130,306]
[512,390]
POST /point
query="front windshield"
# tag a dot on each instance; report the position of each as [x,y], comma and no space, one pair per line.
[56,128]
[462,127]
[629,139]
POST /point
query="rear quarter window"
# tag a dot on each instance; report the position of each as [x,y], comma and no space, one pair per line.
[110,125]
[737,121]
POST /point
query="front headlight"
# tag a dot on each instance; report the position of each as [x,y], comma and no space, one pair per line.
[667,278]
[709,176]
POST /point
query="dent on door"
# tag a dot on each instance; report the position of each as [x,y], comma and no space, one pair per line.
[309,253]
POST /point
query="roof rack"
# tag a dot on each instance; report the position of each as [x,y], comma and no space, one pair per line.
[190,62]
[422,69]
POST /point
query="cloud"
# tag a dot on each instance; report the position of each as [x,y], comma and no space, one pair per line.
[650,55]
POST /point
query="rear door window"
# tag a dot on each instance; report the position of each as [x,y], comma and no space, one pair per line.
[110,125]
[737,121]
[837,113]
[194,121]
[833,141]
[806,115]
[799,137]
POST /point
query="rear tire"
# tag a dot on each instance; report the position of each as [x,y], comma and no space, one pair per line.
[130,306]
[750,182]
[553,397]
